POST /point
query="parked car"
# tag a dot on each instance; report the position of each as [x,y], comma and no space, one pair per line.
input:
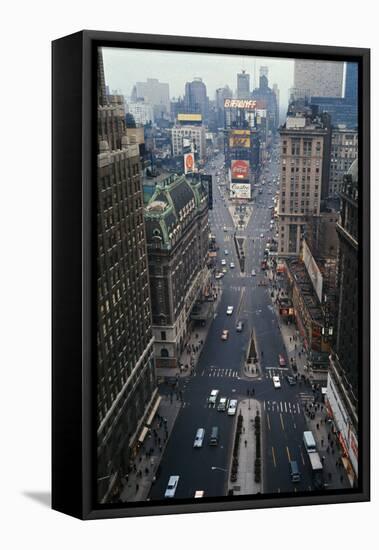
[171,486]
[232,265]
[226,252]
[223,262]
[232,407]
[253,273]
[229,310]
[291,381]
[276,381]
[225,335]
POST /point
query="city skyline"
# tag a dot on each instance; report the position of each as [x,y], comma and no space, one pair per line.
[124,67]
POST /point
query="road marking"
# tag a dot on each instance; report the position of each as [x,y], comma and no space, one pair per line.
[281,408]
[288,454]
[268,422]
[273,456]
[264,405]
[281,421]
[298,408]
[285,406]
[302,458]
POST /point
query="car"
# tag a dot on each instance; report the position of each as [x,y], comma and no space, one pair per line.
[232,265]
[171,486]
[213,396]
[223,262]
[219,275]
[225,335]
[226,252]
[232,407]
[239,326]
[199,438]
[276,381]
[261,235]
[253,273]
[291,381]
[229,310]
[224,270]
[225,229]
[282,361]
[222,404]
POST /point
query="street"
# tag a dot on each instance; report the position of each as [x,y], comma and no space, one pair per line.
[221,367]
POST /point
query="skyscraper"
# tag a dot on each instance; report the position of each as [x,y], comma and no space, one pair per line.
[267,99]
[303,141]
[318,78]
[195,98]
[243,85]
[126,386]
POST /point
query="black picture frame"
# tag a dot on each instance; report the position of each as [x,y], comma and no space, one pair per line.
[74,264]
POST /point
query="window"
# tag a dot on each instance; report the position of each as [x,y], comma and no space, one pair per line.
[163,335]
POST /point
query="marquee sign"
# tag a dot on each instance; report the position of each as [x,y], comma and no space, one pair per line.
[239,104]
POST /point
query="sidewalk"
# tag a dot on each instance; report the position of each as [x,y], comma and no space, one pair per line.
[246,484]
[144,469]
[194,345]
[328,446]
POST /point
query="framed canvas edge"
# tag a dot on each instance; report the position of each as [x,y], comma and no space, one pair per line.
[90,40]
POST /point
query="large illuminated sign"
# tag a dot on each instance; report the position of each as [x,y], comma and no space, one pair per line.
[239,103]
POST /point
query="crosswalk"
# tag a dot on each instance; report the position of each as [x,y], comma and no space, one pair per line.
[270,372]
[286,407]
[219,372]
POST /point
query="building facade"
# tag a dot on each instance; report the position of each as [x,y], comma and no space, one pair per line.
[177,229]
[195,98]
[343,377]
[142,112]
[344,151]
[155,93]
[195,134]
[302,156]
[126,385]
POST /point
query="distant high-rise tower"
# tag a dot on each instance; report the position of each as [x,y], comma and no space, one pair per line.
[195,97]
[243,85]
[263,71]
[351,83]
[318,78]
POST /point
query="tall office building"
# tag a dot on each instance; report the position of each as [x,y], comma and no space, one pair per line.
[276,91]
[266,97]
[303,144]
[221,95]
[243,85]
[343,378]
[195,98]
[318,78]
[126,386]
[351,83]
[155,93]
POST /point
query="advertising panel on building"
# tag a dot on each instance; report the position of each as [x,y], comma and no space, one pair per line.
[239,138]
[240,171]
[240,190]
[240,104]
[189,163]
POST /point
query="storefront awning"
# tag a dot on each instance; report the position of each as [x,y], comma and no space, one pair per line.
[153,412]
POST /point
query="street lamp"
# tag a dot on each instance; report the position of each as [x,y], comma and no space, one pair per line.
[218,468]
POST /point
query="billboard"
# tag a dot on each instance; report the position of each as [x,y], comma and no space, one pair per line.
[239,104]
[240,170]
[189,163]
[189,117]
[240,190]
[239,138]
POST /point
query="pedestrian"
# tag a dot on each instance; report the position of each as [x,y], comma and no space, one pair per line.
[329,476]
[341,479]
[146,470]
[245,442]
[322,442]
[318,426]
[327,449]
[160,448]
[137,487]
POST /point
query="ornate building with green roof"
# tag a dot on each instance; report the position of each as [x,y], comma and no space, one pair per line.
[176,221]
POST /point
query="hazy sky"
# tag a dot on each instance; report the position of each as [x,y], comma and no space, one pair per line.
[124,67]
